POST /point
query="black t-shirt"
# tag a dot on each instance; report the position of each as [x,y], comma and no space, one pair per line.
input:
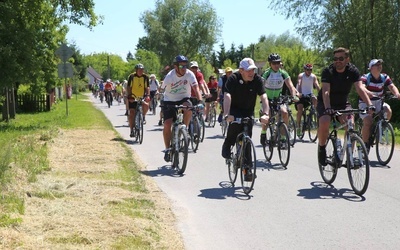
[243,95]
[340,83]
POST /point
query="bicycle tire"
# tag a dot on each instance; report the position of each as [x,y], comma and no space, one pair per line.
[329,172]
[291,130]
[283,144]
[303,125]
[180,156]
[312,124]
[196,134]
[139,127]
[224,128]
[232,167]
[268,149]
[154,105]
[202,127]
[357,165]
[247,186]
[384,143]
[212,117]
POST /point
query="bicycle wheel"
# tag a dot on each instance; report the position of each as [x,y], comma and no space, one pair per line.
[139,127]
[283,143]
[384,143]
[202,126]
[269,147]
[248,162]
[180,156]
[329,172]
[154,105]
[303,125]
[292,130]
[196,134]
[312,125]
[357,165]
[224,127]
[232,167]
[212,117]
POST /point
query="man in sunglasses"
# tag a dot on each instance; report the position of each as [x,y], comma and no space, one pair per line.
[177,86]
[337,80]
[375,83]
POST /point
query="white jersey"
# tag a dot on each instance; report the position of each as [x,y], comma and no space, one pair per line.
[307,83]
[153,85]
[178,88]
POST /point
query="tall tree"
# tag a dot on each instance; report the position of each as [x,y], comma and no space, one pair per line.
[180,27]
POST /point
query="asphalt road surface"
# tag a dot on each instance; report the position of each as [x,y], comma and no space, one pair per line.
[288,209]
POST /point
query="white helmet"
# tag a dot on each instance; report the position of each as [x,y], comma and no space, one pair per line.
[152,75]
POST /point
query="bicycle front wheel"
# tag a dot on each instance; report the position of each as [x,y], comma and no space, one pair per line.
[268,148]
[248,162]
[196,134]
[212,117]
[232,167]
[303,126]
[154,105]
[139,127]
[312,125]
[224,127]
[384,143]
[202,127]
[329,172]
[357,165]
[291,130]
[180,156]
[283,143]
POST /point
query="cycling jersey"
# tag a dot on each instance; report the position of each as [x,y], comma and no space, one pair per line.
[118,89]
[307,83]
[273,82]
[108,86]
[178,87]
[138,84]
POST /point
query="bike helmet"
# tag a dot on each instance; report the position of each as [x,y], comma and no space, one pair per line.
[274,57]
[139,66]
[308,66]
[152,75]
[179,59]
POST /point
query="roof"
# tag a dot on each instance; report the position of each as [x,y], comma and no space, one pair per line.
[93,73]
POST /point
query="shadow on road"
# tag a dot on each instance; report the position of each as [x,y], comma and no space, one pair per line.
[262,164]
[215,137]
[225,191]
[321,190]
[376,164]
[165,170]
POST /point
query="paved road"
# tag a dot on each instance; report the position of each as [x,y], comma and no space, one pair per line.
[288,209]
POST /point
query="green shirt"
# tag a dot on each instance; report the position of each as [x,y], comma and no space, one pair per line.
[273,82]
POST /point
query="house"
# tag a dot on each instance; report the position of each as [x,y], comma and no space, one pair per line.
[93,76]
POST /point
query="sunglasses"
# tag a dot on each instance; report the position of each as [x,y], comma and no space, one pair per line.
[341,58]
[183,66]
[275,63]
[308,69]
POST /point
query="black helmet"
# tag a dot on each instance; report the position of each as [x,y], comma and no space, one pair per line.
[274,57]
[139,66]
[179,59]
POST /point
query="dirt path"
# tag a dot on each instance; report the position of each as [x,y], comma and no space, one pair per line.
[86,201]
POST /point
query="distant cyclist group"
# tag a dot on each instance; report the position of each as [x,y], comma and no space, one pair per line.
[183,93]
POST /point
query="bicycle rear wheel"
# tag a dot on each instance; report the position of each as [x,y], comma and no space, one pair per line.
[384,143]
[232,167]
[358,165]
[268,148]
[179,160]
[329,172]
[248,163]
[283,143]
[312,124]
[291,130]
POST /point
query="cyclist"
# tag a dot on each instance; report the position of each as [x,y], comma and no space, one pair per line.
[153,87]
[138,86]
[337,80]
[177,85]
[221,86]
[125,91]
[240,94]
[375,83]
[306,82]
[118,90]
[274,78]
[212,86]
[108,88]
[194,67]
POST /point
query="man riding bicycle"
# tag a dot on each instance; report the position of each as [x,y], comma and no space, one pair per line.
[375,83]
[221,85]
[177,85]
[306,82]
[154,85]
[108,88]
[241,90]
[337,80]
[138,86]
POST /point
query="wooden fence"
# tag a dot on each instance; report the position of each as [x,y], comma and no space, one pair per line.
[33,103]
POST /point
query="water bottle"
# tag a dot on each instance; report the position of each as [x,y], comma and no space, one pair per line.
[339,147]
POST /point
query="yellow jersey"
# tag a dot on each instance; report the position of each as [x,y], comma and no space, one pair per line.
[138,84]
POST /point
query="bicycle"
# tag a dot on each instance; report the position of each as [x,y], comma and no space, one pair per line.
[138,129]
[277,134]
[382,134]
[153,104]
[224,127]
[291,124]
[244,157]
[309,121]
[212,115]
[195,129]
[357,162]
[109,97]
[179,140]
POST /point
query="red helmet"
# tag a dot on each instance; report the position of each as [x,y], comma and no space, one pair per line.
[308,66]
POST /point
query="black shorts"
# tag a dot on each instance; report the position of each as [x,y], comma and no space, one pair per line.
[152,93]
[169,112]
[305,100]
[132,105]
[321,107]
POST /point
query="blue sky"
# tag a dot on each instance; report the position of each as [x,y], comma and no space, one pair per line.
[122,29]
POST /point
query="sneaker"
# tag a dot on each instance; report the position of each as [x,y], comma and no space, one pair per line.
[248,175]
[220,118]
[144,120]
[263,138]
[159,123]
[132,133]
[322,156]
[167,155]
